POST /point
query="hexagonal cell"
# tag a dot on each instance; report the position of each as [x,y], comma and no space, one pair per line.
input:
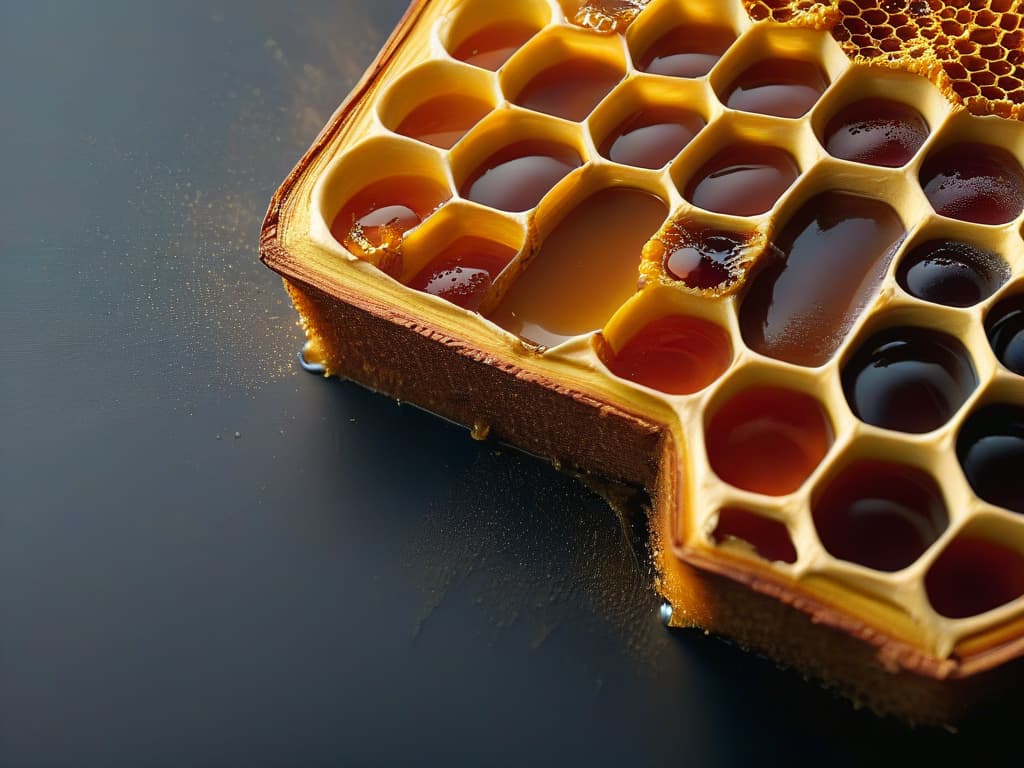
[908,379]
[768,440]
[1004,326]
[461,254]
[951,272]
[972,175]
[742,180]
[704,257]
[778,71]
[438,103]
[564,72]
[828,262]
[684,40]
[604,16]
[642,124]
[486,34]
[512,159]
[370,205]
[990,447]
[676,354]
[879,514]
[586,267]
[974,574]
[769,539]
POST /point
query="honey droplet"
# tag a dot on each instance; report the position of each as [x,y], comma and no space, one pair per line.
[516,177]
[493,45]
[780,87]
[974,182]
[876,132]
[742,180]
[652,137]
[443,120]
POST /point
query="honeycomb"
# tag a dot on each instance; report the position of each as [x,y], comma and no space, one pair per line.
[712,248]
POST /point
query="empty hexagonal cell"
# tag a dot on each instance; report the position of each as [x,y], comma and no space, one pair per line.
[682,39]
[972,181]
[879,514]
[974,574]
[372,205]
[512,159]
[828,262]
[586,267]
[908,379]
[675,354]
[769,539]
[703,257]
[643,125]
[564,73]
[1005,329]
[768,439]
[605,16]
[486,34]
[743,179]
[438,103]
[991,451]
[951,272]
[461,254]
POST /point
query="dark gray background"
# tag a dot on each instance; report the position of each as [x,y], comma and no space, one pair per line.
[208,557]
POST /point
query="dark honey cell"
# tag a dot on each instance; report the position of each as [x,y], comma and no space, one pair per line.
[974,182]
[464,271]
[687,51]
[880,515]
[908,379]
[705,259]
[780,87]
[828,264]
[652,137]
[676,354]
[974,575]
[443,120]
[742,180]
[570,89]
[991,451]
[585,269]
[379,214]
[516,177]
[770,539]
[768,440]
[876,132]
[1005,328]
[493,45]
[951,273]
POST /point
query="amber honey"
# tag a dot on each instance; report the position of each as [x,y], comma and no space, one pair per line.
[516,177]
[443,120]
[876,132]
[686,51]
[743,180]
[974,182]
[464,271]
[585,269]
[570,89]
[974,575]
[676,354]
[770,539]
[704,259]
[493,45]
[789,427]
[951,273]
[651,138]
[830,260]
[780,87]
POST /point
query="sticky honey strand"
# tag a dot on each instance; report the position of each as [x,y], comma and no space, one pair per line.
[941,633]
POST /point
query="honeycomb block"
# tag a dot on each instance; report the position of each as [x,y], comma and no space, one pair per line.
[762,259]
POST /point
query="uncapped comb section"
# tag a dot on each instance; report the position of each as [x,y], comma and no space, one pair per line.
[755,258]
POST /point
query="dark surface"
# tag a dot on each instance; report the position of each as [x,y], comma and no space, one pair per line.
[208,557]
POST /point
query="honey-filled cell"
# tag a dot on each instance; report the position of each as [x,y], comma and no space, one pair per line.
[650,138]
[975,182]
[876,131]
[704,258]
[974,575]
[951,273]
[570,89]
[1005,329]
[443,120]
[828,263]
[689,50]
[742,179]
[464,271]
[492,45]
[516,177]
[768,439]
[675,354]
[781,87]
[585,269]
[769,539]
[991,451]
